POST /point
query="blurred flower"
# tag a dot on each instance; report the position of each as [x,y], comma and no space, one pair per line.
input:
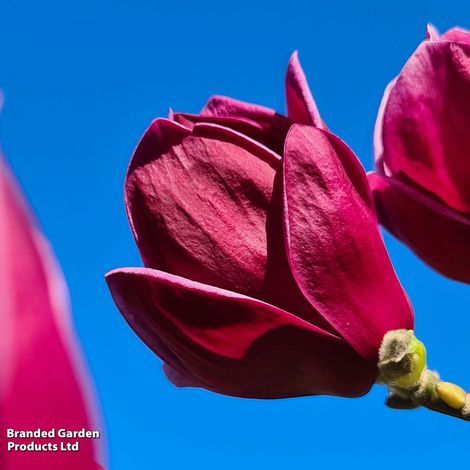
[422,147]
[42,381]
[266,273]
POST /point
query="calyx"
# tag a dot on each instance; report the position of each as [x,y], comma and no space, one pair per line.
[402,368]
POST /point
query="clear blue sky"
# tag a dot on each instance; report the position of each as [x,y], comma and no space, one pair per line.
[83,80]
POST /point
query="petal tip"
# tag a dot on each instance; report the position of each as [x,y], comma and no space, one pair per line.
[294,58]
[432,34]
[301,106]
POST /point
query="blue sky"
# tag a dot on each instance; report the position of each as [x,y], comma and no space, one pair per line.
[82,82]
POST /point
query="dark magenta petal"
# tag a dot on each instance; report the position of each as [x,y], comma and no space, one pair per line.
[222,106]
[231,136]
[258,122]
[43,383]
[335,249]
[425,138]
[301,107]
[280,287]
[437,234]
[233,344]
[198,203]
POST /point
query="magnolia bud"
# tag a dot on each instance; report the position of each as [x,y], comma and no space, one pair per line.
[402,359]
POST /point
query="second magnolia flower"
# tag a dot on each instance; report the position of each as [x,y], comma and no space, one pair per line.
[422,181]
[266,275]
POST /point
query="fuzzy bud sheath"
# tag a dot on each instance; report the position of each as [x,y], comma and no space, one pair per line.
[402,368]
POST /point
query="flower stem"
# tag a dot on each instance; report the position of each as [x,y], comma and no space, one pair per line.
[402,367]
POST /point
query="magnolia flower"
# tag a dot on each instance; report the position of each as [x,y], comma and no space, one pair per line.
[42,380]
[266,275]
[422,147]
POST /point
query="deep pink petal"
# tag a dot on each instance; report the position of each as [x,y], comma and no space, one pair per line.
[222,106]
[301,107]
[439,235]
[335,249]
[234,344]
[280,287]
[198,204]
[457,35]
[269,131]
[231,136]
[425,126]
[43,383]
